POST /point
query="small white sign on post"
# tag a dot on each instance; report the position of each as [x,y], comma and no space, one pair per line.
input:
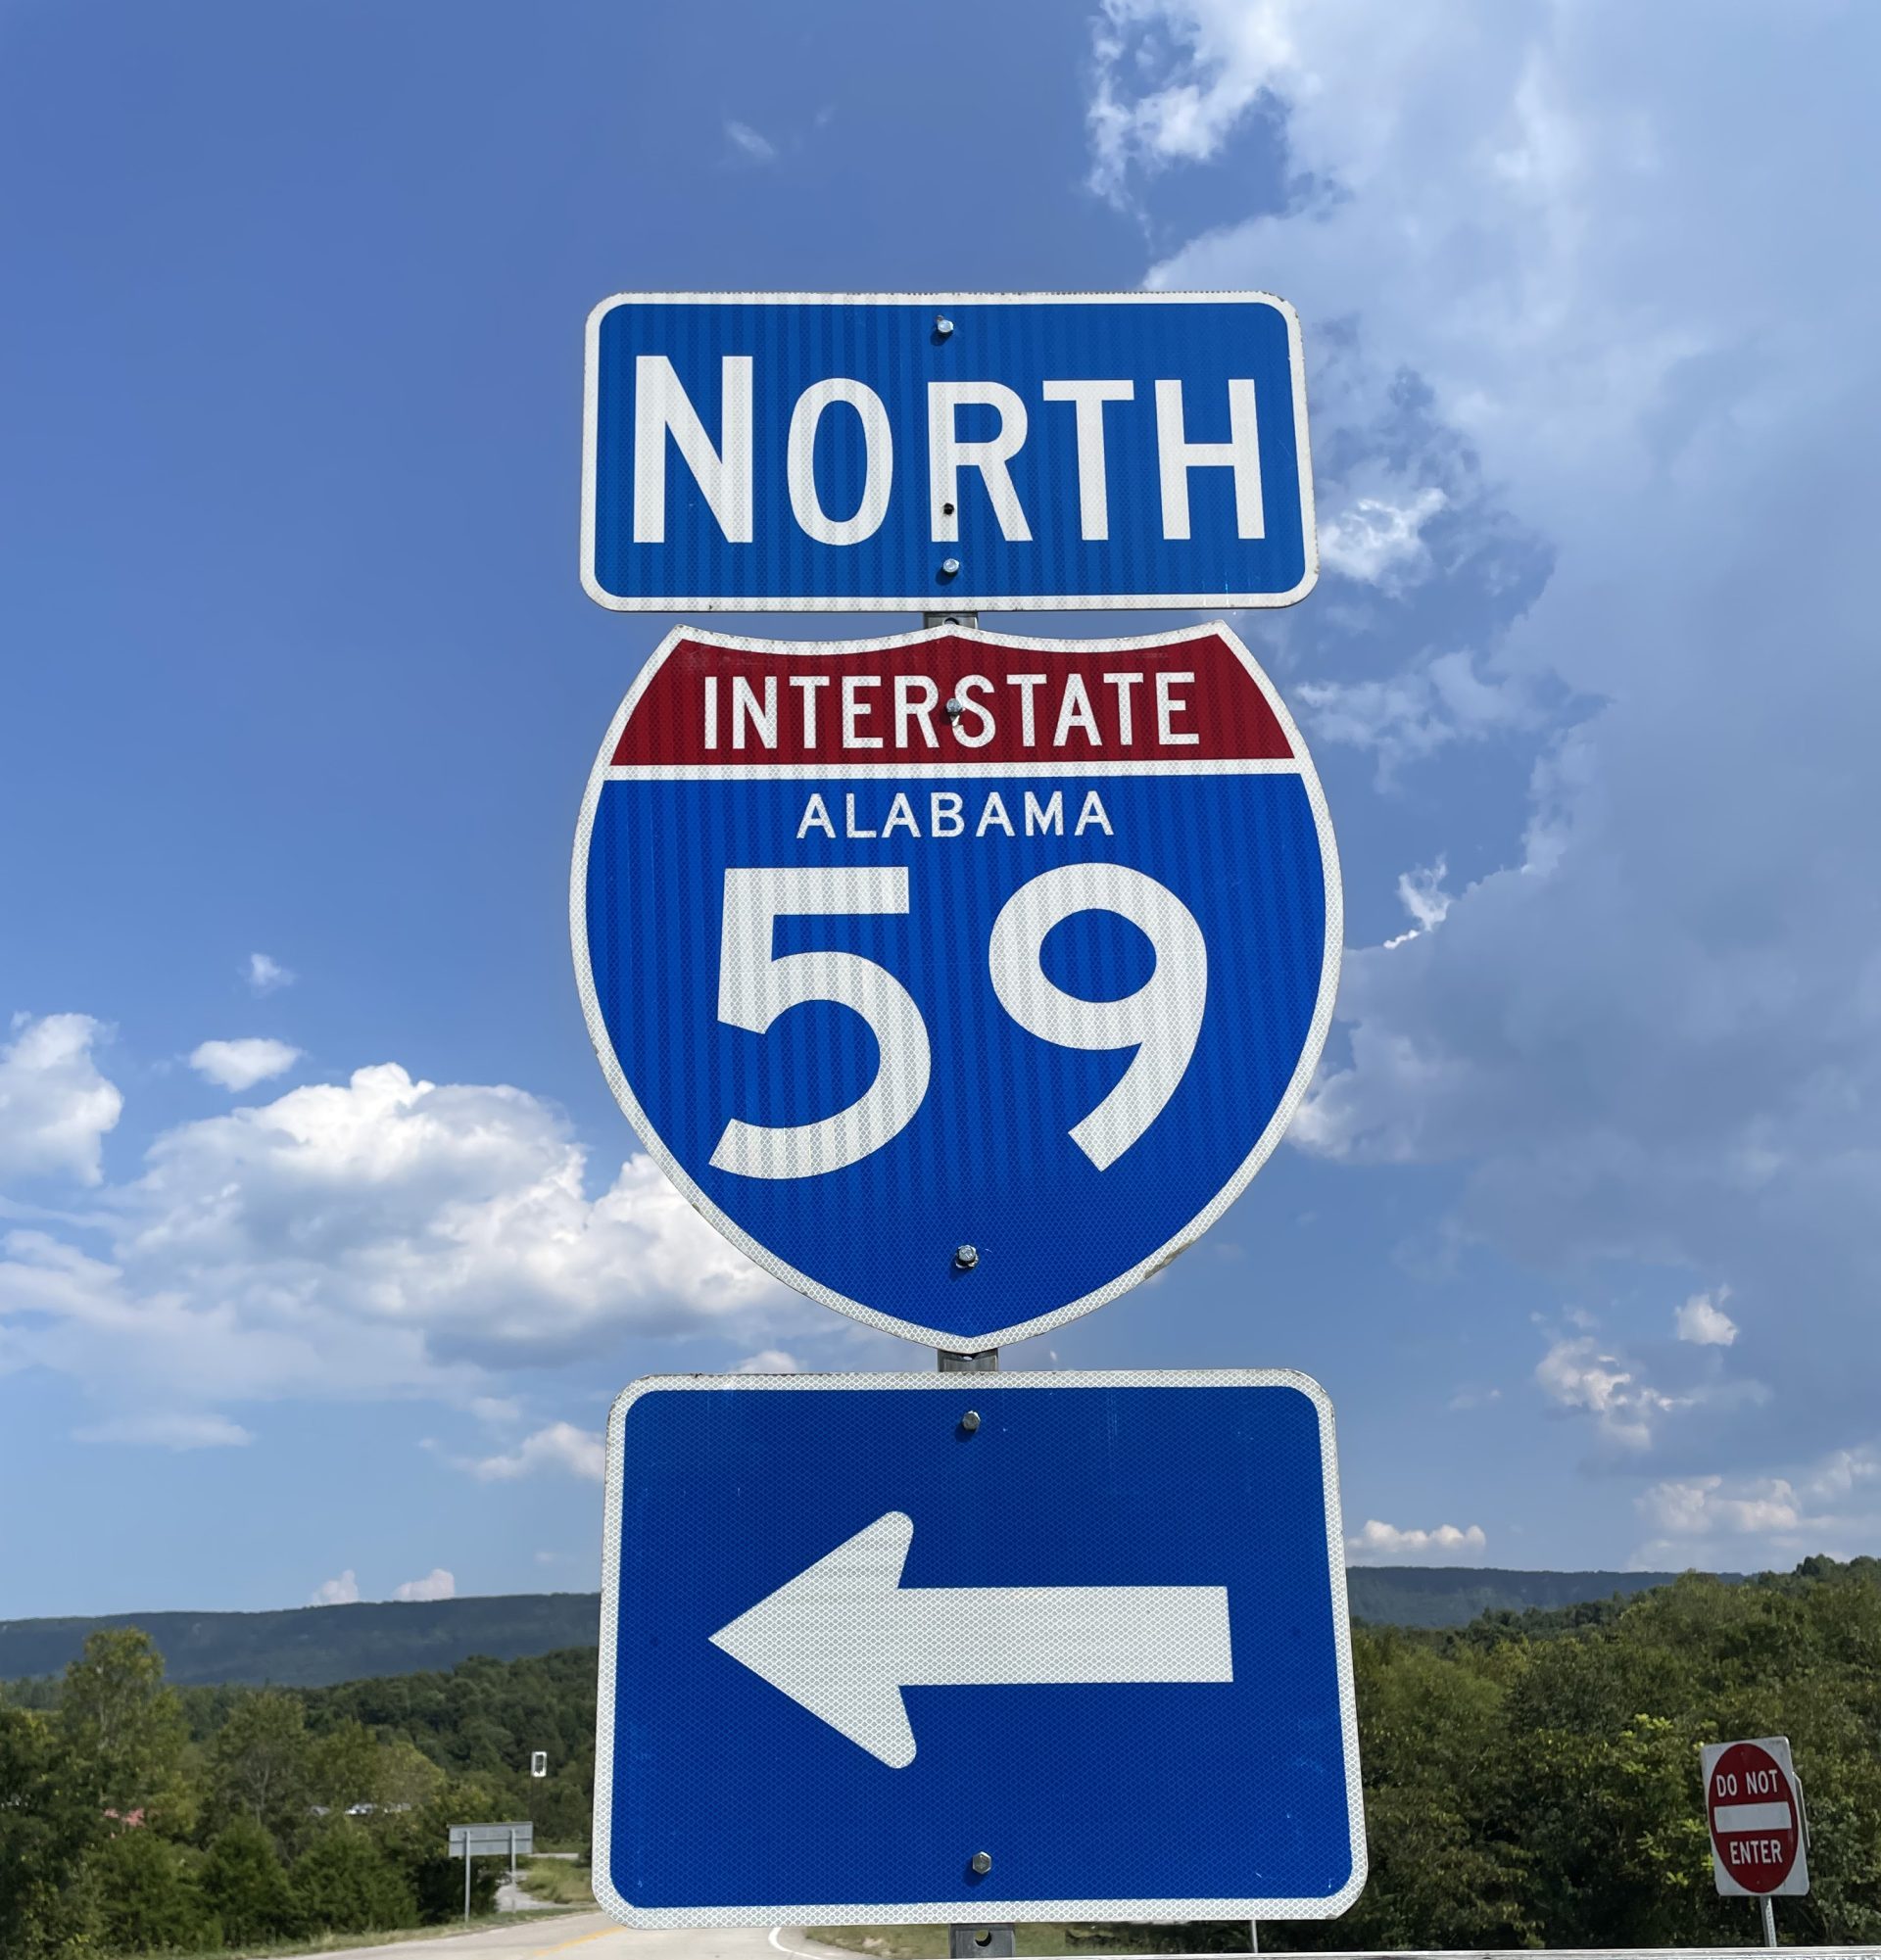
[487,1840]
[538,1762]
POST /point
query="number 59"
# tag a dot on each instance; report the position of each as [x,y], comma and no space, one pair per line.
[1160,1020]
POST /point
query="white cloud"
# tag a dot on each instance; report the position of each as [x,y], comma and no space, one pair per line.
[437,1584]
[377,1236]
[1842,1472]
[1407,717]
[1703,1508]
[341,1592]
[55,1106]
[561,1447]
[173,1430]
[1380,1544]
[1704,1322]
[1422,895]
[267,975]
[1831,1506]
[768,1361]
[1376,541]
[751,142]
[240,1064]
[1654,1034]
[1575,1375]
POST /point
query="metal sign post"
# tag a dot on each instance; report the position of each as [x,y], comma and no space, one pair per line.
[472,1840]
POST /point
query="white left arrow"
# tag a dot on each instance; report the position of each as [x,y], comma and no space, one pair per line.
[844,1637]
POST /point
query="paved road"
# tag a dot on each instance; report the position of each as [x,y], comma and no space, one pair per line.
[593,1935]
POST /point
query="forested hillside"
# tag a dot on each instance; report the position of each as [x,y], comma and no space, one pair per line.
[311,1647]
[1530,1780]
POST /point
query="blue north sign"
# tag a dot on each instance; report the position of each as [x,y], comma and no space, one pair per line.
[971,1647]
[925,453]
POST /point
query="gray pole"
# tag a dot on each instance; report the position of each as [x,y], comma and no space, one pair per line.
[976,1942]
[466,1882]
[1769,1913]
[1253,1935]
[512,1854]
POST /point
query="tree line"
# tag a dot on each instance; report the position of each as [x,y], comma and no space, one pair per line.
[1530,1781]
[136,1817]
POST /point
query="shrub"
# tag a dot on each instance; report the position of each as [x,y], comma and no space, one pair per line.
[145,1897]
[246,1886]
[343,1883]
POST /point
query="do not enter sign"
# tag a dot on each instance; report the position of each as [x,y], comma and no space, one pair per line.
[1755,1809]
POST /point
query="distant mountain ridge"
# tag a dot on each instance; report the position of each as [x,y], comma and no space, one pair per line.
[314,1647]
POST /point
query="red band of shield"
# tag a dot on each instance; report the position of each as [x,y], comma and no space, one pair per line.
[950,703]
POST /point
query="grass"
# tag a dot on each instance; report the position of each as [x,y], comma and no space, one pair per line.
[341,1943]
[558,1880]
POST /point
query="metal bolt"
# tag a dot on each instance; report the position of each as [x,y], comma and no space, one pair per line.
[954,711]
[949,567]
[970,1421]
[966,1257]
[942,326]
[983,1862]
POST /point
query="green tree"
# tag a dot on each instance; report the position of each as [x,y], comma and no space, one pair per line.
[145,1896]
[246,1886]
[344,1768]
[418,1844]
[125,1728]
[407,1778]
[259,1765]
[48,1818]
[343,1883]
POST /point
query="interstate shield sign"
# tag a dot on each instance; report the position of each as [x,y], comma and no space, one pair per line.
[960,980]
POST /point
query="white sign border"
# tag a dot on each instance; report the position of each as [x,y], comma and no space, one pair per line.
[949,1911]
[959,598]
[1265,1144]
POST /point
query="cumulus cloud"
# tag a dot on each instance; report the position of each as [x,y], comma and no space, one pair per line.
[264,975]
[1574,1374]
[55,1106]
[1380,1544]
[579,1452]
[1565,292]
[1375,539]
[437,1584]
[173,1430]
[1832,1506]
[240,1064]
[1408,716]
[382,1235]
[341,1592]
[1704,1322]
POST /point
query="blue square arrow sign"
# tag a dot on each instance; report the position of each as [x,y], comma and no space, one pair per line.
[903,1647]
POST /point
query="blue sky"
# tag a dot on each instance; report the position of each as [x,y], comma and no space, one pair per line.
[301,692]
